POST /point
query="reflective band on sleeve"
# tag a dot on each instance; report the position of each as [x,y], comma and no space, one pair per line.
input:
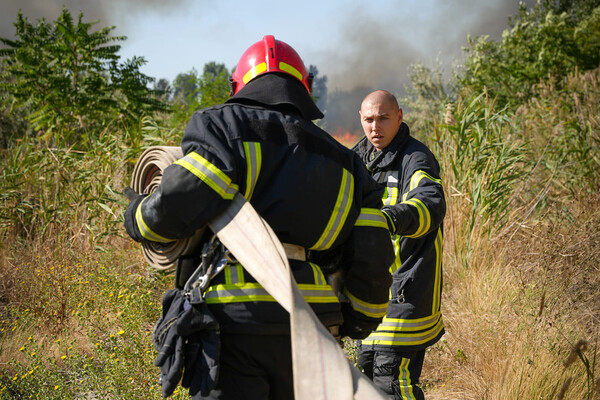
[290,70]
[339,213]
[253,165]
[418,175]
[424,217]
[255,292]
[257,69]
[371,217]
[369,309]
[146,232]
[209,174]
[404,339]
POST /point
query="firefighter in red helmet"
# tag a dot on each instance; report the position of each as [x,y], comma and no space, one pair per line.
[316,195]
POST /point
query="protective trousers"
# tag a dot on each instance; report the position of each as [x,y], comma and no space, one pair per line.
[254,367]
[396,373]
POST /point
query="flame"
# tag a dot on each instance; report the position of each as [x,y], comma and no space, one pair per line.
[346,138]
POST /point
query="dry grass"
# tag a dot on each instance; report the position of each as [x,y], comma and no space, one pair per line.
[515,314]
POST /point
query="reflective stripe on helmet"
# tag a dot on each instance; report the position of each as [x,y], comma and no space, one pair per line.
[290,70]
[254,71]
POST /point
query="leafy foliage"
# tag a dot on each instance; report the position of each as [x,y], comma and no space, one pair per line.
[541,42]
[193,91]
[71,79]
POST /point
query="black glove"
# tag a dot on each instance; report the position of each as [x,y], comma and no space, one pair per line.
[356,325]
[390,218]
[130,223]
[169,343]
[202,350]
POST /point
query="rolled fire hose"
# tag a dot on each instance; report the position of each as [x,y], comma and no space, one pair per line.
[321,369]
[147,174]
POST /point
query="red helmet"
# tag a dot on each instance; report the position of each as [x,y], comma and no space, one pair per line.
[269,55]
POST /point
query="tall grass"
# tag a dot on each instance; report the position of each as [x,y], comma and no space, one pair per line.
[521,307]
[521,256]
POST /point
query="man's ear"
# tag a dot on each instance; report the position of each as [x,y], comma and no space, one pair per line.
[400,114]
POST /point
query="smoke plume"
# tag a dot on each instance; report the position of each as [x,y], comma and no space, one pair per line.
[107,12]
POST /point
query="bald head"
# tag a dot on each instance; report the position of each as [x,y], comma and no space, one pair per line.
[380,117]
[381,97]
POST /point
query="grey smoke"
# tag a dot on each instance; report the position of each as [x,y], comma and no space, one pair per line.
[107,12]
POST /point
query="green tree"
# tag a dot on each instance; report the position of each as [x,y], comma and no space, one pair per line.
[319,87]
[551,39]
[71,79]
[185,87]
[213,84]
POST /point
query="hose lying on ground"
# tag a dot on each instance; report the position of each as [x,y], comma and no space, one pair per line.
[147,174]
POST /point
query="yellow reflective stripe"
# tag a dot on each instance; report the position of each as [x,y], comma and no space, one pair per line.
[390,196]
[418,175]
[253,165]
[437,288]
[146,232]
[290,70]
[257,69]
[318,274]
[339,213]
[369,309]
[417,324]
[397,261]
[371,217]
[226,293]
[209,174]
[405,381]
[234,274]
[424,217]
[404,339]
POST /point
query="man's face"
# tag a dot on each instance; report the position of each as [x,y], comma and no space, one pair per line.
[380,121]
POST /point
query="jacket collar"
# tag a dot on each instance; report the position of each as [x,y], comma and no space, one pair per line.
[277,90]
[381,160]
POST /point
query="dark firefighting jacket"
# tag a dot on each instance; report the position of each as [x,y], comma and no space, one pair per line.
[311,190]
[415,205]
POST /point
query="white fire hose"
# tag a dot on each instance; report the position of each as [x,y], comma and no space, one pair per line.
[321,369]
[147,174]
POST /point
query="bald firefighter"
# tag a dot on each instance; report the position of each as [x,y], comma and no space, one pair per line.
[316,195]
[414,206]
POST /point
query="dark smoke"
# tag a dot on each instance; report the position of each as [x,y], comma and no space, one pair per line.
[107,12]
[376,53]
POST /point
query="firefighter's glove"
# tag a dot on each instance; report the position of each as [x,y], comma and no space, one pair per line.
[130,223]
[202,350]
[168,343]
[390,218]
[356,325]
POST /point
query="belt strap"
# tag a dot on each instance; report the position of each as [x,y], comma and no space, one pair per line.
[294,252]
